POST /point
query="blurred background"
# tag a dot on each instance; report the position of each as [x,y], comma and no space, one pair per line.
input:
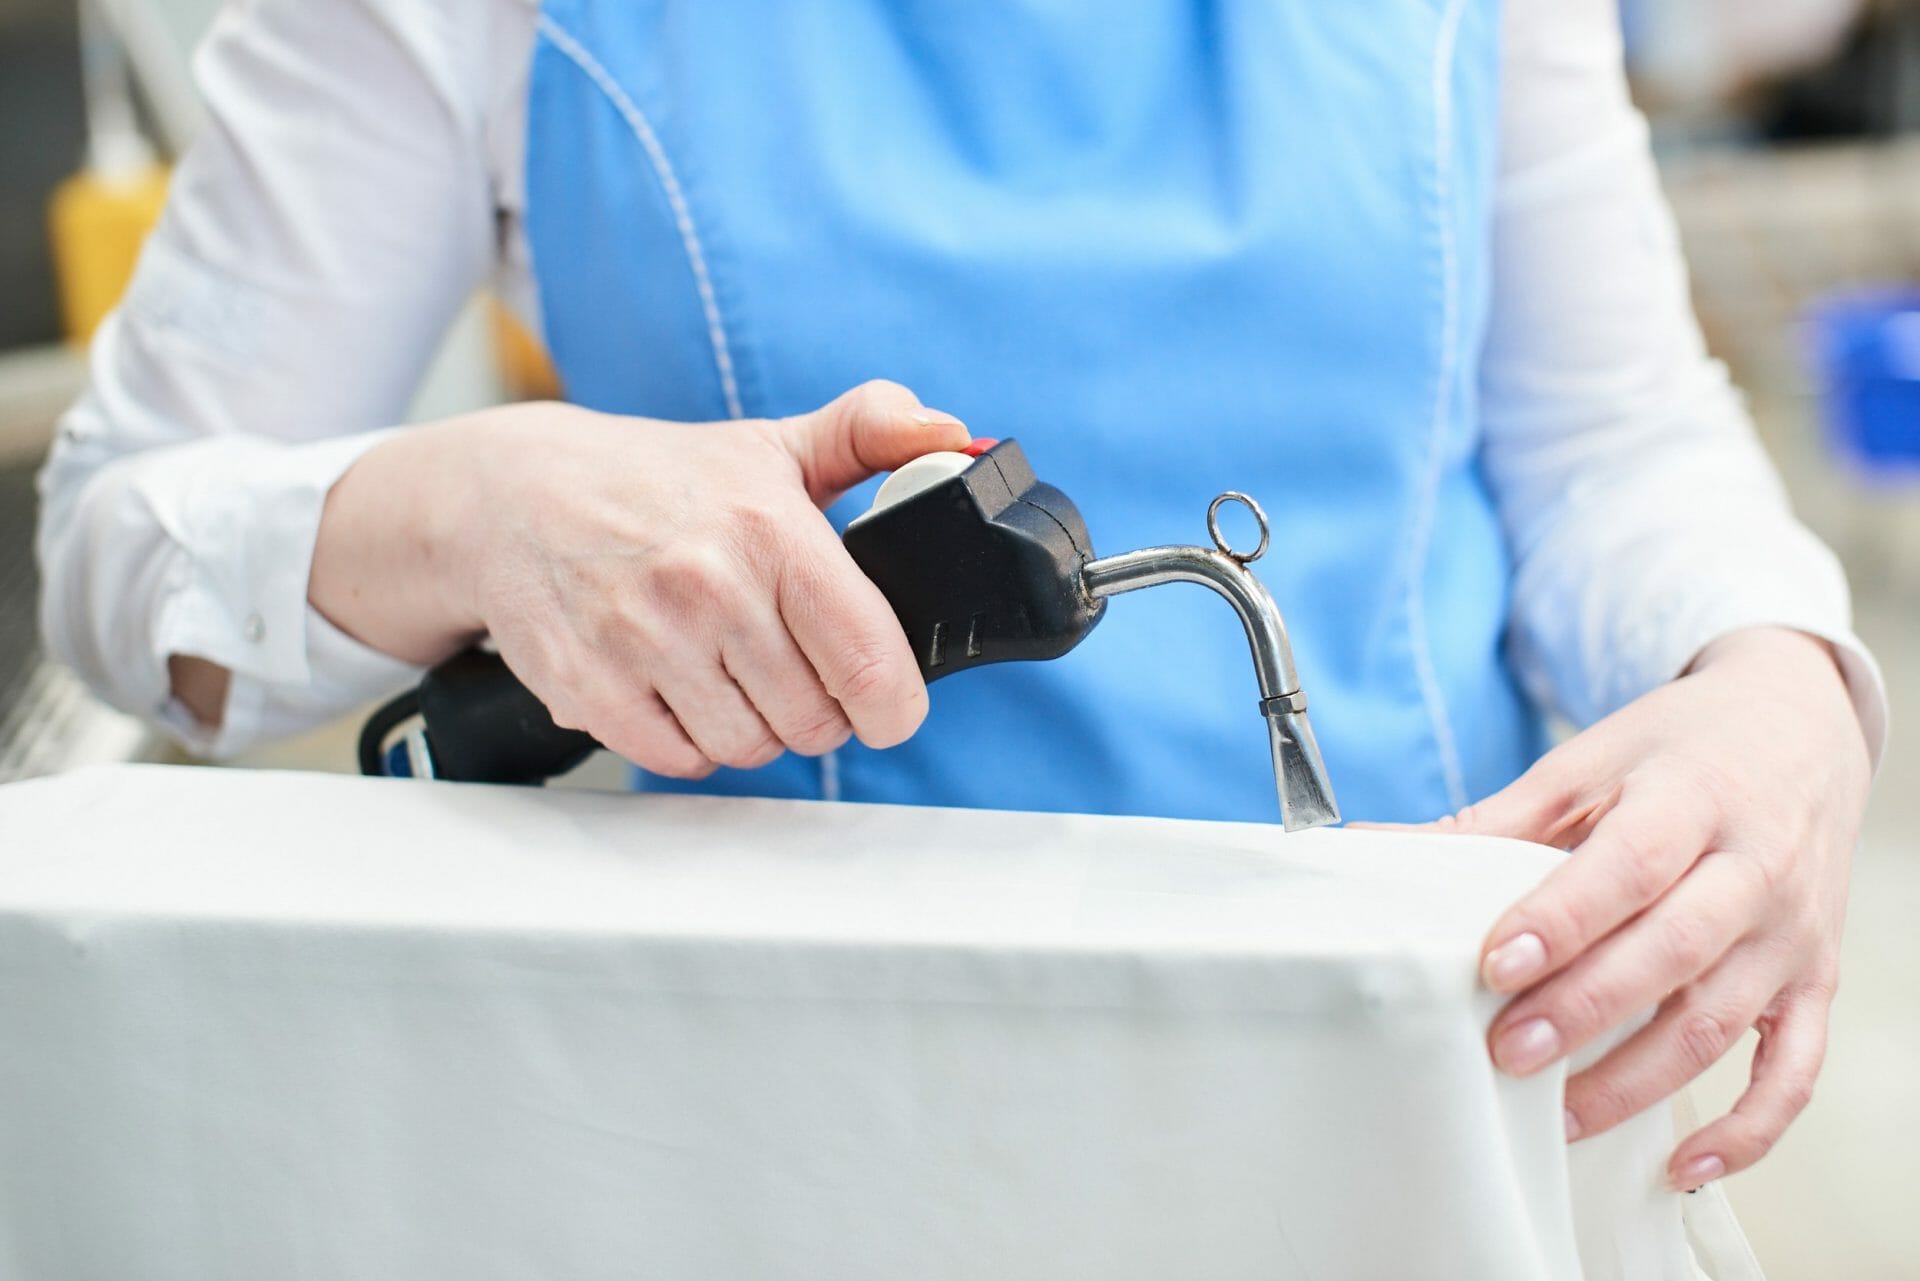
[1789,132]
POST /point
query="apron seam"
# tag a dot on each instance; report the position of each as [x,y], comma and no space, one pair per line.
[1428,497]
[636,120]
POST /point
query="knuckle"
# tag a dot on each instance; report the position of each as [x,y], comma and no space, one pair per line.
[1640,869]
[1763,876]
[733,737]
[746,758]
[1699,781]
[758,527]
[689,580]
[675,761]
[624,637]
[912,710]
[881,392]
[1686,946]
[802,587]
[752,752]
[1758,1140]
[639,747]
[655,750]
[1703,1035]
[1583,1010]
[820,728]
[868,673]
[1824,983]
[1603,1102]
[1566,922]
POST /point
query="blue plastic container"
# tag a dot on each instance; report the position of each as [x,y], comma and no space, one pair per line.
[1866,347]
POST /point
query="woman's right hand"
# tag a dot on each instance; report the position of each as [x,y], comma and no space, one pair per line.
[672,589]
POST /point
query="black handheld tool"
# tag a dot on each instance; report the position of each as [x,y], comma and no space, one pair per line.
[982,563]
[980,560]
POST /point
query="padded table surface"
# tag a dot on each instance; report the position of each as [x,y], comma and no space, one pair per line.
[278,1025]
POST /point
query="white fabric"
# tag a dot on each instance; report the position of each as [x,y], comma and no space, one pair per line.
[362,173]
[304,1026]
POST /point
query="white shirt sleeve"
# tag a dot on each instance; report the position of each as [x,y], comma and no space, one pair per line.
[320,235]
[1644,517]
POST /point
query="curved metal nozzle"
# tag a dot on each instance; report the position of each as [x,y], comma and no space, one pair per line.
[1299,773]
[1306,797]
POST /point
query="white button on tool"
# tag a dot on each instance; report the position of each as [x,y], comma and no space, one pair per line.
[922,473]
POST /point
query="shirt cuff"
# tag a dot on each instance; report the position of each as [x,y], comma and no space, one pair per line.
[247,525]
[344,675]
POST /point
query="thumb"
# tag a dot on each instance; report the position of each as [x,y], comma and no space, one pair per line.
[876,427]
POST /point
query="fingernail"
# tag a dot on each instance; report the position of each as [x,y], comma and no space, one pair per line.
[929,418]
[1573,1124]
[1698,1172]
[1514,962]
[1526,1047]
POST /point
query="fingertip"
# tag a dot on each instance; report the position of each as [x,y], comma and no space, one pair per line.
[1691,1173]
[934,419]
[890,428]
[898,725]
[940,430]
[1514,961]
[875,427]
[1523,1048]
[899,438]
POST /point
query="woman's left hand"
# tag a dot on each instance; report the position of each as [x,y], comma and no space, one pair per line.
[1712,825]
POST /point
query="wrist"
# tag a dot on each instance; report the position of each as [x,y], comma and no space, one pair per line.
[1783,649]
[392,562]
[461,484]
[1792,665]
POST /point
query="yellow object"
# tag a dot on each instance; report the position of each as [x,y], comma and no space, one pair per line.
[525,367]
[97,225]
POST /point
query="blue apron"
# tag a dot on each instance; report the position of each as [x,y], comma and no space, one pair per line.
[1175,247]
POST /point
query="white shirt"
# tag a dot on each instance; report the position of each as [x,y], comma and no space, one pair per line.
[362,173]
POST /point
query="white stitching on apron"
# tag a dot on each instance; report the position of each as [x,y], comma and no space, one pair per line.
[1449,361]
[636,120]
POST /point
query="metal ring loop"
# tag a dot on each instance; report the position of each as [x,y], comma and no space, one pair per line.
[1213,526]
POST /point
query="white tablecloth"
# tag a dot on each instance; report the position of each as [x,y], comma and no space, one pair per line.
[285,1026]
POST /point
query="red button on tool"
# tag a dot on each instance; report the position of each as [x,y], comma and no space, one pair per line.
[979,446]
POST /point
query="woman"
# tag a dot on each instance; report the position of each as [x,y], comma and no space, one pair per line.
[1403,273]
